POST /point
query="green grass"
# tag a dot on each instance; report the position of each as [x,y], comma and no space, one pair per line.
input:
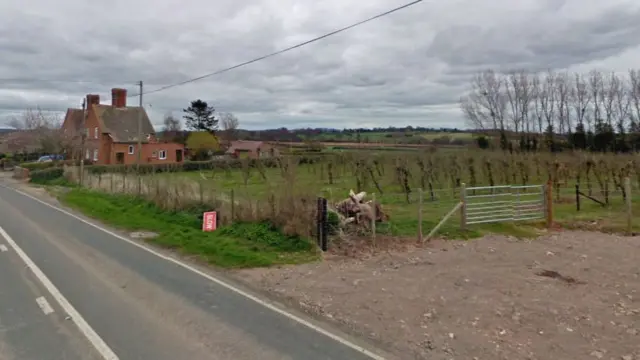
[237,246]
[593,216]
[404,215]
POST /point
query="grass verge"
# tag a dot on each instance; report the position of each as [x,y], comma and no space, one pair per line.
[235,246]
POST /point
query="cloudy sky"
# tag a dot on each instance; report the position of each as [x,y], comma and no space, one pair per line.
[409,68]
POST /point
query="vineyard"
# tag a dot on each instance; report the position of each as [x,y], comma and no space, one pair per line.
[284,191]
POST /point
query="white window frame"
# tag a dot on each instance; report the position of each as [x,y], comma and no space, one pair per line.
[160,153]
[95,132]
[131,150]
[87,154]
[95,154]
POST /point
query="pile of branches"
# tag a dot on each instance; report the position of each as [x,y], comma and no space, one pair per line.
[354,210]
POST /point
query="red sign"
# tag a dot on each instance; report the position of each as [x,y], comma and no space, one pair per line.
[209,221]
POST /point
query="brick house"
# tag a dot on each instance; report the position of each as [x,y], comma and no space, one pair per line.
[251,149]
[111,133]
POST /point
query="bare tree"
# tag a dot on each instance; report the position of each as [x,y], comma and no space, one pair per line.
[595,87]
[171,123]
[622,97]
[536,89]
[547,100]
[562,83]
[607,98]
[580,99]
[40,130]
[485,106]
[526,100]
[229,124]
[518,91]
[35,119]
[634,95]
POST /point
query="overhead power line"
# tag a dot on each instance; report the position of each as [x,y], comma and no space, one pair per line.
[31,80]
[281,51]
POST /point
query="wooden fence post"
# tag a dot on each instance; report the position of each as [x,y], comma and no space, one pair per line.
[324,244]
[629,203]
[577,197]
[420,195]
[549,202]
[463,206]
[319,221]
[373,219]
[233,206]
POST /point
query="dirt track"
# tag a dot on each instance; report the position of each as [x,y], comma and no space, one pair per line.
[570,295]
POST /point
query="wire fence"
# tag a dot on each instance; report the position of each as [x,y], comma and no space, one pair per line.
[410,213]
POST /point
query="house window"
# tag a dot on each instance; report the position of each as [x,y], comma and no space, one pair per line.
[95,133]
[130,149]
[87,154]
[86,132]
[154,154]
[95,155]
[163,155]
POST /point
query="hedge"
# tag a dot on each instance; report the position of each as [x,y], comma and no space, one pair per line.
[50,164]
[47,175]
[221,164]
[39,165]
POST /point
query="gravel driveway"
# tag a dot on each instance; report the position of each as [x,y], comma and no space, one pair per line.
[568,295]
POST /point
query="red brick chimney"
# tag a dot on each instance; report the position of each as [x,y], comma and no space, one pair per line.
[93,99]
[118,97]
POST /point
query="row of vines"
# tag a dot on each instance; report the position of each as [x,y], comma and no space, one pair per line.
[435,171]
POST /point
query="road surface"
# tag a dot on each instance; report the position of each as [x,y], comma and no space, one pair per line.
[71,290]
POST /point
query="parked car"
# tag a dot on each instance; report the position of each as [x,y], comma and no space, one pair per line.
[50,158]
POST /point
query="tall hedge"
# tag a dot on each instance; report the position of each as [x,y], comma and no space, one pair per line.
[46,176]
[221,164]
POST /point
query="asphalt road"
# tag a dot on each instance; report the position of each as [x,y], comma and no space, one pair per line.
[69,290]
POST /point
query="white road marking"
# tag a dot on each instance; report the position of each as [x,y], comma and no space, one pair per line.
[3,248]
[84,327]
[216,280]
[44,305]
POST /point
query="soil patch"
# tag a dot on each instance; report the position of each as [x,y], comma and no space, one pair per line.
[567,295]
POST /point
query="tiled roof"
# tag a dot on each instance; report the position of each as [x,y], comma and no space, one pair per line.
[122,123]
[75,116]
[243,145]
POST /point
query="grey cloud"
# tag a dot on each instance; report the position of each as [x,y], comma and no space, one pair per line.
[406,69]
[539,43]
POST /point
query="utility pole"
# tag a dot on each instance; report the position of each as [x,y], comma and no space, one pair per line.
[139,130]
[83,135]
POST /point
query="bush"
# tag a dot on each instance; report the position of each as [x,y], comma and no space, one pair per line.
[38,166]
[220,164]
[333,222]
[47,176]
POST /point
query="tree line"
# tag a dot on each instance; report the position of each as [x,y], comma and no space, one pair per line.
[593,111]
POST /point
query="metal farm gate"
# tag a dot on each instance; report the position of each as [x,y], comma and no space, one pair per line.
[492,204]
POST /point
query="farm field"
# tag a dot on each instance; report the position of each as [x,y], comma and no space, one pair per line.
[252,193]
[391,137]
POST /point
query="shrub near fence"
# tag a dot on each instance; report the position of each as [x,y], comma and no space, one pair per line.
[281,191]
[226,164]
[46,176]
[40,166]
[292,211]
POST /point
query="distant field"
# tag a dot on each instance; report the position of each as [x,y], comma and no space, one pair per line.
[453,136]
[391,137]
